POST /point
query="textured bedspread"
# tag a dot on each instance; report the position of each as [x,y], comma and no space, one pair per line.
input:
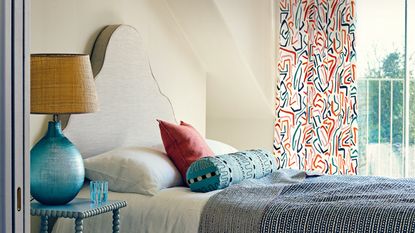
[291,201]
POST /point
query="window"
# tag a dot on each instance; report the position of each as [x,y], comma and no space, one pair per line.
[386,87]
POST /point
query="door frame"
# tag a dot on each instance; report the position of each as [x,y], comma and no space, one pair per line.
[14,116]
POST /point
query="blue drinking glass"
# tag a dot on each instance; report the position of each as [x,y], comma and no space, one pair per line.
[105,191]
[98,192]
[92,191]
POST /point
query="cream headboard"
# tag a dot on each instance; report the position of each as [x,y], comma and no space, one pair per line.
[129,97]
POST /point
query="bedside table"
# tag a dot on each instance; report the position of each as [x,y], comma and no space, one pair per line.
[78,209]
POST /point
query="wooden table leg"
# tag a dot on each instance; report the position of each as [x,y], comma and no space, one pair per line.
[44,224]
[116,221]
[78,225]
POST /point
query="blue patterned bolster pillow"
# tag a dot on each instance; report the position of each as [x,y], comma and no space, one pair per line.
[218,172]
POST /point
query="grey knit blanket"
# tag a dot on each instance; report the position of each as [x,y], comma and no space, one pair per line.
[294,201]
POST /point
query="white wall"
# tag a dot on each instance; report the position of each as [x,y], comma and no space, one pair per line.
[235,40]
[251,27]
[72,26]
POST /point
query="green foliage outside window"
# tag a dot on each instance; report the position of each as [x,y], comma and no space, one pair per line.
[381,102]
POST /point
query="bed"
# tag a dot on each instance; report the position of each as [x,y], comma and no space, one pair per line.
[285,201]
[130,102]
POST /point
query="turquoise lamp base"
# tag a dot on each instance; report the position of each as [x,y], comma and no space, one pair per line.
[57,171]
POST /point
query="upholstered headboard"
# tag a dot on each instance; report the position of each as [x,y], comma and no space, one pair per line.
[129,97]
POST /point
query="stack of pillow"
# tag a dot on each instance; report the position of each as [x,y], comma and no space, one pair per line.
[148,170]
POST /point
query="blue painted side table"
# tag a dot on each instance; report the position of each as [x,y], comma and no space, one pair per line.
[78,209]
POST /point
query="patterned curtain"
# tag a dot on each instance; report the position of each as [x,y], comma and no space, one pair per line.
[316,118]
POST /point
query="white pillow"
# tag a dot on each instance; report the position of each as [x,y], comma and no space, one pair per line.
[220,148]
[133,170]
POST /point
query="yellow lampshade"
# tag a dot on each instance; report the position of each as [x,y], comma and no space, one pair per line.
[61,84]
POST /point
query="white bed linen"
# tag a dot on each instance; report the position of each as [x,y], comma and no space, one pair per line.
[172,210]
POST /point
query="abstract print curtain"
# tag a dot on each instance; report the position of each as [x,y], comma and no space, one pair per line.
[316,118]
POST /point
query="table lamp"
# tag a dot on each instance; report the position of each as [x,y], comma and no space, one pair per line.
[60,84]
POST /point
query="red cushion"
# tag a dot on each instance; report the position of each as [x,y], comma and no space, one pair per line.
[183,144]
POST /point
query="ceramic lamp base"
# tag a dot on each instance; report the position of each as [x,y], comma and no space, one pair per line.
[57,171]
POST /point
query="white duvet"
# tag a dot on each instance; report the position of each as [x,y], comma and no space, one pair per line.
[172,210]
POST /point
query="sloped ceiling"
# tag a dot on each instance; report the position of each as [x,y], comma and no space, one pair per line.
[234,40]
